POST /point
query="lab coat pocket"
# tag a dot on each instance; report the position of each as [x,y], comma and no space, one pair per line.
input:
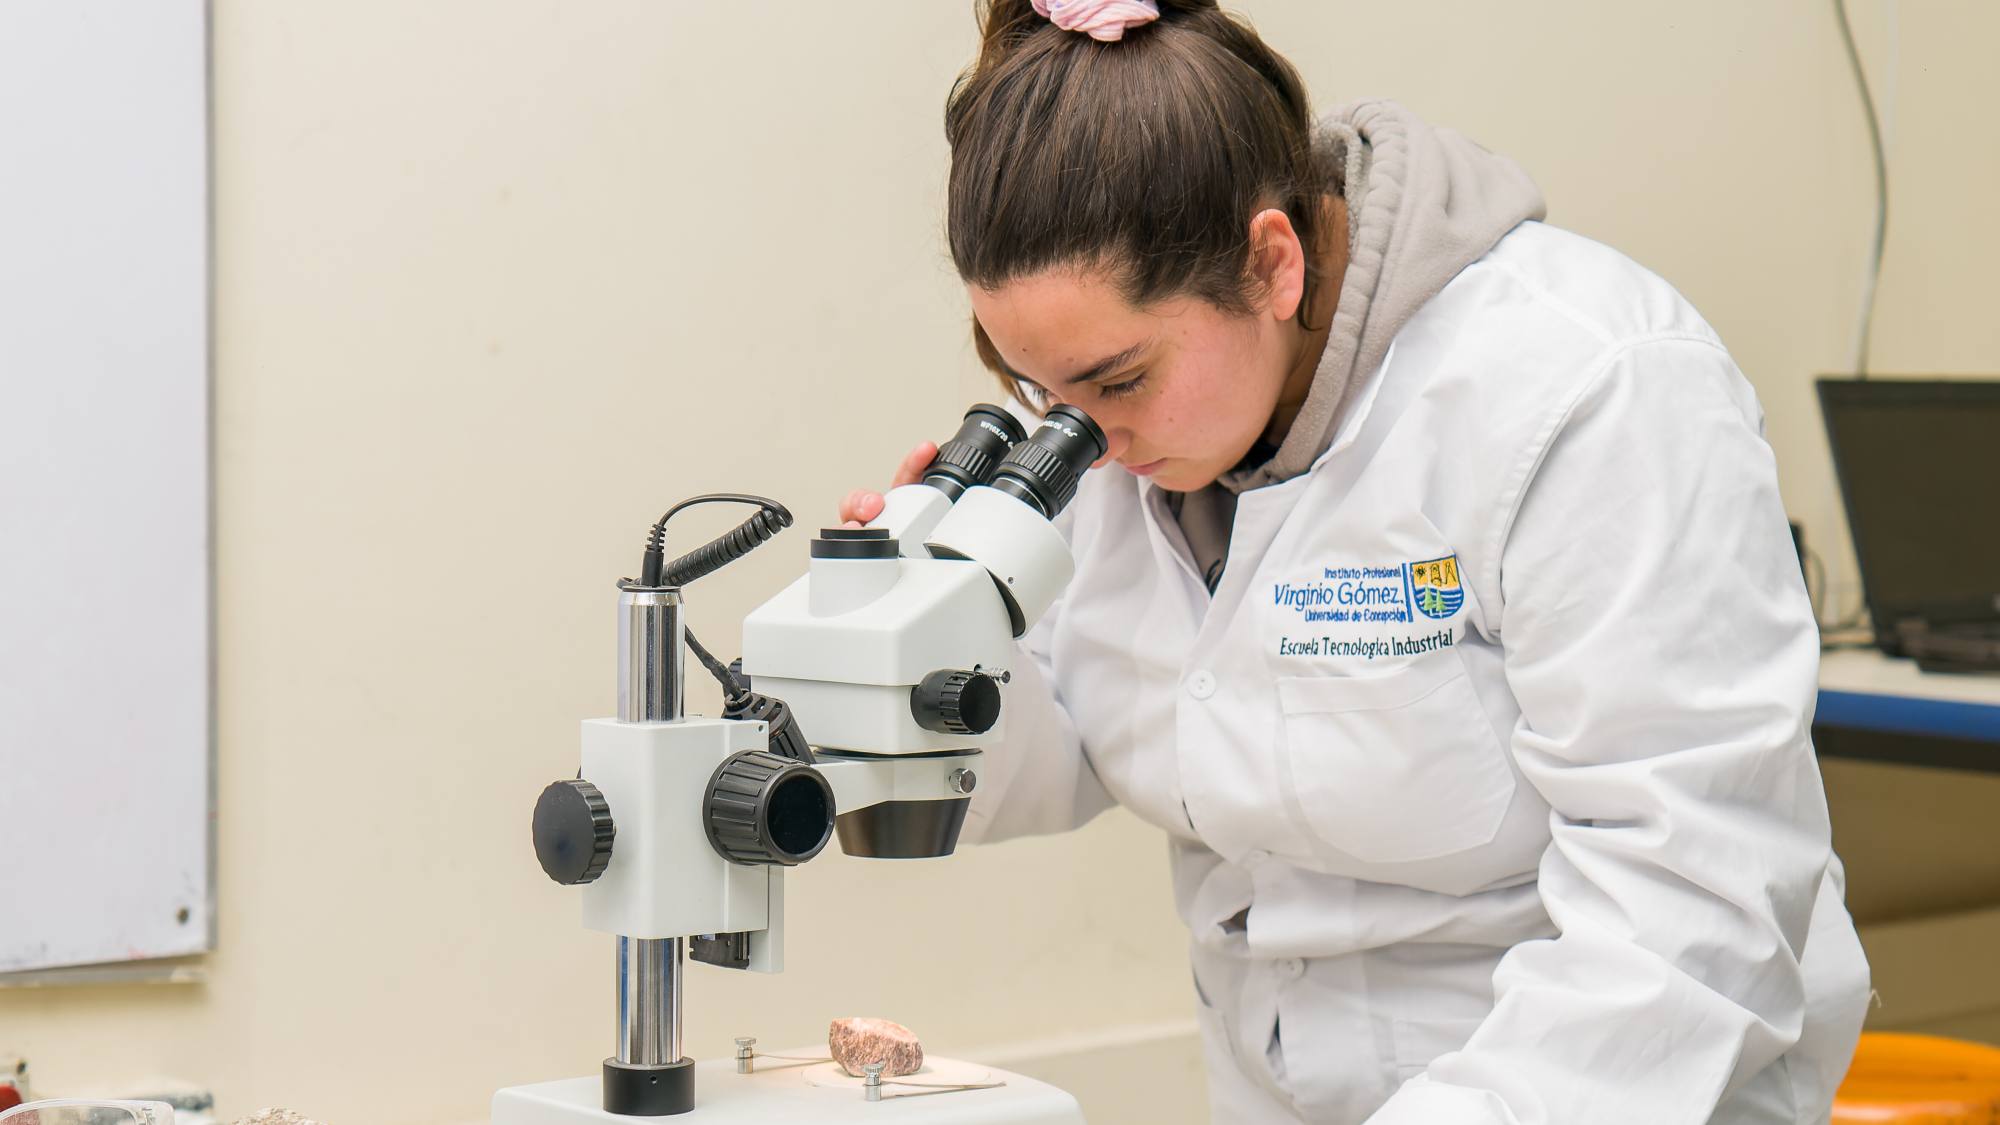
[1396,767]
[1420,1042]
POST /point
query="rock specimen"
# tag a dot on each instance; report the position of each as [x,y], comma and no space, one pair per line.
[857,1042]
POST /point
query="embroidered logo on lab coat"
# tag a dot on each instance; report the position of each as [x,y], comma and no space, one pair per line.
[1348,611]
[1434,586]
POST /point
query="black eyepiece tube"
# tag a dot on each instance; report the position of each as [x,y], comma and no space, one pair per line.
[972,454]
[1043,470]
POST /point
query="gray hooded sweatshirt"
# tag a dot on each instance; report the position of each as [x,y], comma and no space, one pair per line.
[1423,203]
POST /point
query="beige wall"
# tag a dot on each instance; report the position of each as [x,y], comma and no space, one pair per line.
[498,281]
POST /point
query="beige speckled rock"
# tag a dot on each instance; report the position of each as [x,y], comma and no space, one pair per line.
[857,1042]
[276,1117]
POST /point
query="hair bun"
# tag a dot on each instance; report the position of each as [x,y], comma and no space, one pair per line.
[1106,21]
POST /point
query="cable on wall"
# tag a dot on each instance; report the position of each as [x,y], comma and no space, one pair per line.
[1874,271]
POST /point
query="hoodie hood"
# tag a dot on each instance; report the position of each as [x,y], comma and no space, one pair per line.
[1423,203]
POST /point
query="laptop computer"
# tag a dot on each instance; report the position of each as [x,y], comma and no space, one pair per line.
[1919,468]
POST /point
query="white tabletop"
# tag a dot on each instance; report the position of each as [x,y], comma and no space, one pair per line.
[1869,672]
[785,1095]
[1886,709]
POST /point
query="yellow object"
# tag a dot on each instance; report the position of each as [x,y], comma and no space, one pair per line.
[1919,1080]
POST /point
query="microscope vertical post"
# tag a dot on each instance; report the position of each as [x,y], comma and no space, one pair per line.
[651,683]
[649,1001]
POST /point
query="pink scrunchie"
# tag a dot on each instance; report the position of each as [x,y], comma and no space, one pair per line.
[1106,21]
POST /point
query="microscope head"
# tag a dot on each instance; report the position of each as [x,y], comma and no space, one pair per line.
[892,659]
[1008,526]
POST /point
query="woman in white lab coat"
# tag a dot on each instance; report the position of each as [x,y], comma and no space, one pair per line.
[1436,599]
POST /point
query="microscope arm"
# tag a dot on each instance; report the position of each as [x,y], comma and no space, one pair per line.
[861,782]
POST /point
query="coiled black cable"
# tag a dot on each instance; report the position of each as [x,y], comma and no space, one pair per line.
[741,540]
[770,518]
[739,701]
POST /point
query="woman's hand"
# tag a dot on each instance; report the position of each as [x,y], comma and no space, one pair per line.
[862,505]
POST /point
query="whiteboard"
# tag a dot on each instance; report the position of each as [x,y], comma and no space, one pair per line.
[106,749]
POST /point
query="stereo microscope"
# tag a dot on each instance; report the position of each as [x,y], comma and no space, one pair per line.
[858,709]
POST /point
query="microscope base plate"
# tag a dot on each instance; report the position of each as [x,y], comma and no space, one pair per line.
[783,1095]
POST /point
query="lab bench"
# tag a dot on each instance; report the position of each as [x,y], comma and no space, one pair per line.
[1885,709]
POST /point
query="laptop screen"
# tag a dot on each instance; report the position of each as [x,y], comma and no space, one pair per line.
[1919,469]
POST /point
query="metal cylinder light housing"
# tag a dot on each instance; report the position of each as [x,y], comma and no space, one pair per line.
[651,659]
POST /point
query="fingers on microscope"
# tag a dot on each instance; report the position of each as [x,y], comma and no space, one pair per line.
[860,505]
[914,464]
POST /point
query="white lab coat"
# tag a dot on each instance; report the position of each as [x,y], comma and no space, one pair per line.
[1498,725]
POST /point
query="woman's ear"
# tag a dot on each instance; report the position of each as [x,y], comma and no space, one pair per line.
[1277,263]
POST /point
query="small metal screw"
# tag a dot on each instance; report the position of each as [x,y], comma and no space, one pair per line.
[182,915]
[962,780]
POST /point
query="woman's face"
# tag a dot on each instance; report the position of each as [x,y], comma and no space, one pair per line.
[1181,388]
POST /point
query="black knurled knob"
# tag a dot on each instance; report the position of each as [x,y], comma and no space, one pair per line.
[954,701]
[573,832]
[767,810]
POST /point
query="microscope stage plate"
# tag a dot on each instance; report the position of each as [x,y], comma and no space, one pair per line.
[724,1097]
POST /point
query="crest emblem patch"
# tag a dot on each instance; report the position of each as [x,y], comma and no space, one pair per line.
[1434,586]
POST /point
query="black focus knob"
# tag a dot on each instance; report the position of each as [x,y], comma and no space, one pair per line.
[766,810]
[573,832]
[954,701]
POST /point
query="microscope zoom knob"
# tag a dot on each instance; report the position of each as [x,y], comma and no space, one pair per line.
[954,701]
[573,832]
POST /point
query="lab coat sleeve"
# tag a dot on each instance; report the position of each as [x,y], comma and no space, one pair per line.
[1037,780]
[1658,638]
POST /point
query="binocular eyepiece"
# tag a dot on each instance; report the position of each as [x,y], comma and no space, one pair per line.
[1041,471]
[973,453]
